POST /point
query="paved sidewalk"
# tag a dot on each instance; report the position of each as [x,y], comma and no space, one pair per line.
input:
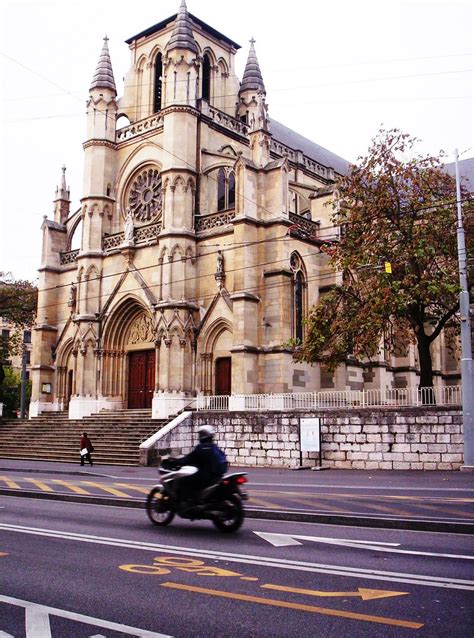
[434,501]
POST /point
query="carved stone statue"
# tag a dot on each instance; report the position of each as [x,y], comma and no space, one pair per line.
[261,121]
[219,275]
[72,297]
[220,262]
[129,228]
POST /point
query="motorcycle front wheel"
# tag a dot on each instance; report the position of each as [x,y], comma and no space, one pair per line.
[231,517]
[158,508]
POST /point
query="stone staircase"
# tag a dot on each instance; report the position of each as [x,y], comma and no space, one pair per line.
[115,435]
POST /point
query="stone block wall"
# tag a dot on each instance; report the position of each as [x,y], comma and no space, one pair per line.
[371,439]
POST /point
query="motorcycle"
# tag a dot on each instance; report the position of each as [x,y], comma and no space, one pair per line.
[220,503]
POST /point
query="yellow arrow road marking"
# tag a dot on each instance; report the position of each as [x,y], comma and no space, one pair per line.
[71,486]
[136,488]
[365,594]
[10,483]
[297,606]
[106,488]
[40,484]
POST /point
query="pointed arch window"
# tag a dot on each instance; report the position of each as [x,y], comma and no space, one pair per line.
[206,78]
[299,296]
[158,83]
[225,189]
[221,190]
[231,191]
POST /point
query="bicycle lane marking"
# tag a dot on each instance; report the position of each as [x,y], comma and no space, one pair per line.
[163,565]
[295,606]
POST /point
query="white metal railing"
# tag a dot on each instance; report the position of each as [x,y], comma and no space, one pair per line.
[399,397]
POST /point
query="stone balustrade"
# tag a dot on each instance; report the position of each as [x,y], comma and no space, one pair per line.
[139,128]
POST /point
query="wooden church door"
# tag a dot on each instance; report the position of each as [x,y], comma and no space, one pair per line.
[141,379]
[223,376]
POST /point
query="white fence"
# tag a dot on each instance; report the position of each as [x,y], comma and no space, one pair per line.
[451,395]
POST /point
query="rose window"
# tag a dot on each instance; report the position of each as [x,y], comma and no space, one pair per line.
[145,199]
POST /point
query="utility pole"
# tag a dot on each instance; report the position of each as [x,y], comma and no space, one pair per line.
[23,383]
[467,376]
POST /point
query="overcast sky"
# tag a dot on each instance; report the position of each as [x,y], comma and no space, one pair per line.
[334,72]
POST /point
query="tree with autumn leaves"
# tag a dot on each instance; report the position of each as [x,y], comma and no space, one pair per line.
[395,207]
[18,300]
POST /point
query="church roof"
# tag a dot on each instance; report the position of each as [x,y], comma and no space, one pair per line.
[252,79]
[182,36]
[312,150]
[104,75]
[164,23]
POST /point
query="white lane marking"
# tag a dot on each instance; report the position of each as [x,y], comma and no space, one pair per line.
[89,620]
[283,540]
[282,563]
[3,634]
[36,622]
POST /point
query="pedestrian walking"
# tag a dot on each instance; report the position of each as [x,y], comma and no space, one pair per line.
[86,449]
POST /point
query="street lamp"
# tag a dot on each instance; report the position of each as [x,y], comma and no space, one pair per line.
[24,363]
[467,376]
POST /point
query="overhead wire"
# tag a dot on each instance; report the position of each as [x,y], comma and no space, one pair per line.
[164,150]
[174,282]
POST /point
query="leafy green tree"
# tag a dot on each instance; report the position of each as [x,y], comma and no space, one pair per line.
[10,392]
[18,299]
[396,207]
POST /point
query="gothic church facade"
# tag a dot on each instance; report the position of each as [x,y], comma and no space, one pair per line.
[199,229]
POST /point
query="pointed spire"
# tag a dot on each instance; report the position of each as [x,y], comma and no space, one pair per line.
[252,79]
[182,36]
[62,191]
[104,75]
[62,202]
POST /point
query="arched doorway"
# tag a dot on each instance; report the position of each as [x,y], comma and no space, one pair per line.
[223,376]
[128,356]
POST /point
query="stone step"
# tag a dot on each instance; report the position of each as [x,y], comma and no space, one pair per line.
[128,460]
[116,436]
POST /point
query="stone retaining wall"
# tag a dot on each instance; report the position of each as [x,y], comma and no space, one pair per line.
[399,439]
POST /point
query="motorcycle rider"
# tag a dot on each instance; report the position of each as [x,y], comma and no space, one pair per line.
[209,460]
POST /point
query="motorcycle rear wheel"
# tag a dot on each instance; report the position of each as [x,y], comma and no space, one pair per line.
[158,508]
[232,515]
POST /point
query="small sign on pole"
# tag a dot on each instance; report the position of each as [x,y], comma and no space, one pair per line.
[310,440]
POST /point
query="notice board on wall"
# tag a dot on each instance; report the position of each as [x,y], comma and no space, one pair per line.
[310,434]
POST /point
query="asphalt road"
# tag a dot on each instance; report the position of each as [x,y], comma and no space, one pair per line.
[71,570]
[430,497]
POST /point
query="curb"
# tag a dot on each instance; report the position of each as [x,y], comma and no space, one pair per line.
[43,471]
[418,525]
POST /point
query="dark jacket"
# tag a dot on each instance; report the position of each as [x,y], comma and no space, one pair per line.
[86,443]
[204,459]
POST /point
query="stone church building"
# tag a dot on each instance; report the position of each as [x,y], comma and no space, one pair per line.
[199,234]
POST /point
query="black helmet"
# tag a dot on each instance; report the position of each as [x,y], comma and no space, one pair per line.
[205,432]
